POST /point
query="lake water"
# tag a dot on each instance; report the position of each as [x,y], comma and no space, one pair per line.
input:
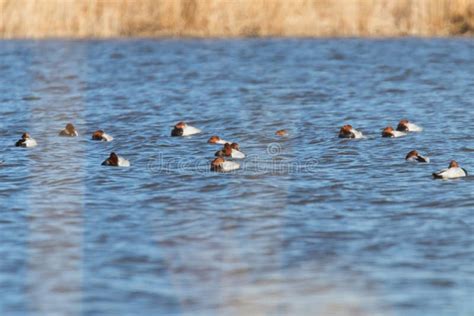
[311,224]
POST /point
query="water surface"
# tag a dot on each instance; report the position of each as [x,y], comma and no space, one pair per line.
[311,225]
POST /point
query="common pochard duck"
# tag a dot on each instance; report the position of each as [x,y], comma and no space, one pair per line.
[347,131]
[26,141]
[452,172]
[390,132]
[100,135]
[415,156]
[281,132]
[69,131]
[183,129]
[115,160]
[406,126]
[220,164]
[217,140]
[231,151]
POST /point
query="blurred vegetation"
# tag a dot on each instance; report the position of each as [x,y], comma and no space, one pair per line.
[231,18]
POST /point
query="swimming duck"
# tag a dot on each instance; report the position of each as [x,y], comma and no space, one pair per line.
[101,136]
[390,132]
[183,129]
[217,140]
[115,160]
[26,141]
[347,131]
[69,131]
[415,156]
[281,132]
[220,164]
[231,151]
[406,126]
[452,172]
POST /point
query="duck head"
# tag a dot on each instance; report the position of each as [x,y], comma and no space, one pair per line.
[97,135]
[214,139]
[178,129]
[216,164]
[70,128]
[227,150]
[402,126]
[113,159]
[387,132]
[235,146]
[453,164]
[346,132]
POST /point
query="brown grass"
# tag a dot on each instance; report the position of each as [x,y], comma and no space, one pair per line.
[231,18]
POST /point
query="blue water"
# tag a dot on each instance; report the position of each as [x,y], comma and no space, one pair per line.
[310,225]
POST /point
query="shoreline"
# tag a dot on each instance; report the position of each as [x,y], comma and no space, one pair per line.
[237,38]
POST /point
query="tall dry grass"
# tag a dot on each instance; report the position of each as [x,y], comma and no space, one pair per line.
[229,18]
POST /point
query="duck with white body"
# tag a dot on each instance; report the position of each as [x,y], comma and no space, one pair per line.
[230,151]
[183,129]
[454,171]
[407,127]
[26,141]
[390,132]
[100,135]
[115,160]
[416,157]
[347,131]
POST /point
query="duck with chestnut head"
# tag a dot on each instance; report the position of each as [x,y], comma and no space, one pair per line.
[347,131]
[407,127]
[115,160]
[415,156]
[100,135]
[390,132]
[26,141]
[452,172]
[217,140]
[183,129]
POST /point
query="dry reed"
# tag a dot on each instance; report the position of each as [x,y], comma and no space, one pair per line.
[232,18]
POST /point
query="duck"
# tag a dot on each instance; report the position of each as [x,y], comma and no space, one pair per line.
[69,131]
[452,172]
[221,165]
[101,136]
[347,131]
[183,129]
[406,126]
[415,156]
[390,132]
[231,151]
[217,140]
[115,160]
[281,132]
[26,141]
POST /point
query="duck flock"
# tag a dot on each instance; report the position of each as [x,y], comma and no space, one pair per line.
[230,151]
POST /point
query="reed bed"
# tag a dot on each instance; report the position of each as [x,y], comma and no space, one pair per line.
[234,18]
